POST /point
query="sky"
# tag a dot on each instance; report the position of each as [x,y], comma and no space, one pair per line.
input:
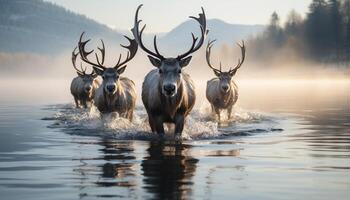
[163,15]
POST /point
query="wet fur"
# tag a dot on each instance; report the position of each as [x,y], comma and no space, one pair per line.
[122,101]
[219,100]
[162,109]
[81,97]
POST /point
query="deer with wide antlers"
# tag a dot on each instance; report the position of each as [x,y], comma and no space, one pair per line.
[222,91]
[83,86]
[116,93]
[168,93]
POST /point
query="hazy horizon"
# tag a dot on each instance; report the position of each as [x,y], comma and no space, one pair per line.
[121,17]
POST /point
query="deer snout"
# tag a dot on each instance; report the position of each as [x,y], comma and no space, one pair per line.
[110,88]
[88,88]
[225,88]
[169,89]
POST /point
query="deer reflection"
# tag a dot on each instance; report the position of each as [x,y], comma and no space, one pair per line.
[119,164]
[113,166]
[168,170]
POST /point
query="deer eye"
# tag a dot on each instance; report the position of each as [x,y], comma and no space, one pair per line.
[160,71]
[179,71]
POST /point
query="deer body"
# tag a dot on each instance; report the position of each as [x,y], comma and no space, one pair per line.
[221,100]
[122,101]
[164,109]
[167,92]
[222,92]
[116,93]
[84,85]
[83,90]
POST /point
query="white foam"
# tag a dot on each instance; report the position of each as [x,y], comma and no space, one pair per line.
[200,124]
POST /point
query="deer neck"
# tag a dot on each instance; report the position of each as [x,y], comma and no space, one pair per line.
[171,104]
[110,99]
[227,96]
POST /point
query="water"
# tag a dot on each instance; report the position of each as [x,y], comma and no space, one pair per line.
[286,141]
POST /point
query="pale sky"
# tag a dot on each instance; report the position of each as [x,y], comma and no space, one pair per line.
[164,15]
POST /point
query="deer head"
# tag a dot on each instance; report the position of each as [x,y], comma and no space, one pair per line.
[110,75]
[225,77]
[170,68]
[88,79]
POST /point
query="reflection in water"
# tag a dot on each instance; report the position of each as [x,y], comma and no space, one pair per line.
[116,174]
[168,170]
[114,168]
[330,135]
[307,158]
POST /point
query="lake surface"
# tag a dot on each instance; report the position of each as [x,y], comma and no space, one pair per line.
[287,140]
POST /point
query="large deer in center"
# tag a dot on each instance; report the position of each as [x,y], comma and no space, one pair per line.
[168,93]
[222,91]
[116,94]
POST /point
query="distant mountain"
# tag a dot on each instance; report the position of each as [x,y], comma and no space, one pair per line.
[223,32]
[36,26]
[41,27]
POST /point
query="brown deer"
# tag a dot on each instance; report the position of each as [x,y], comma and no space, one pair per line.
[168,93]
[222,91]
[116,93]
[83,86]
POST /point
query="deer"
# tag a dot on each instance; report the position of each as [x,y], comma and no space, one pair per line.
[116,94]
[83,86]
[168,93]
[222,91]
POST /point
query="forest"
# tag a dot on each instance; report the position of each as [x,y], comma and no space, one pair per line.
[323,35]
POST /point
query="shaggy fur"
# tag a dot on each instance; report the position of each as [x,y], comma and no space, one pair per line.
[82,97]
[220,100]
[122,101]
[164,109]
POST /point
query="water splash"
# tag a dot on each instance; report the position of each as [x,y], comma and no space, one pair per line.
[200,124]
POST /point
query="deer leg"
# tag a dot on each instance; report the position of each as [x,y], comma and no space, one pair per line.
[212,109]
[130,115]
[159,125]
[152,124]
[229,112]
[217,111]
[179,126]
[84,103]
[76,102]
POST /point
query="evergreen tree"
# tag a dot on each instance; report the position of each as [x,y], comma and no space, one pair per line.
[274,32]
[317,29]
[335,30]
[293,24]
[346,24]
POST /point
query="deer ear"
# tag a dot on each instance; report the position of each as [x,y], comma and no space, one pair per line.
[155,62]
[79,73]
[184,62]
[233,72]
[121,70]
[98,71]
[216,73]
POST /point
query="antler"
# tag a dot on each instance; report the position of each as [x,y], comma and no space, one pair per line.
[207,55]
[194,47]
[103,53]
[84,54]
[132,49]
[138,36]
[241,60]
[74,60]
[203,26]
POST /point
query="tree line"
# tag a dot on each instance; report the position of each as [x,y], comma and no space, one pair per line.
[323,35]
